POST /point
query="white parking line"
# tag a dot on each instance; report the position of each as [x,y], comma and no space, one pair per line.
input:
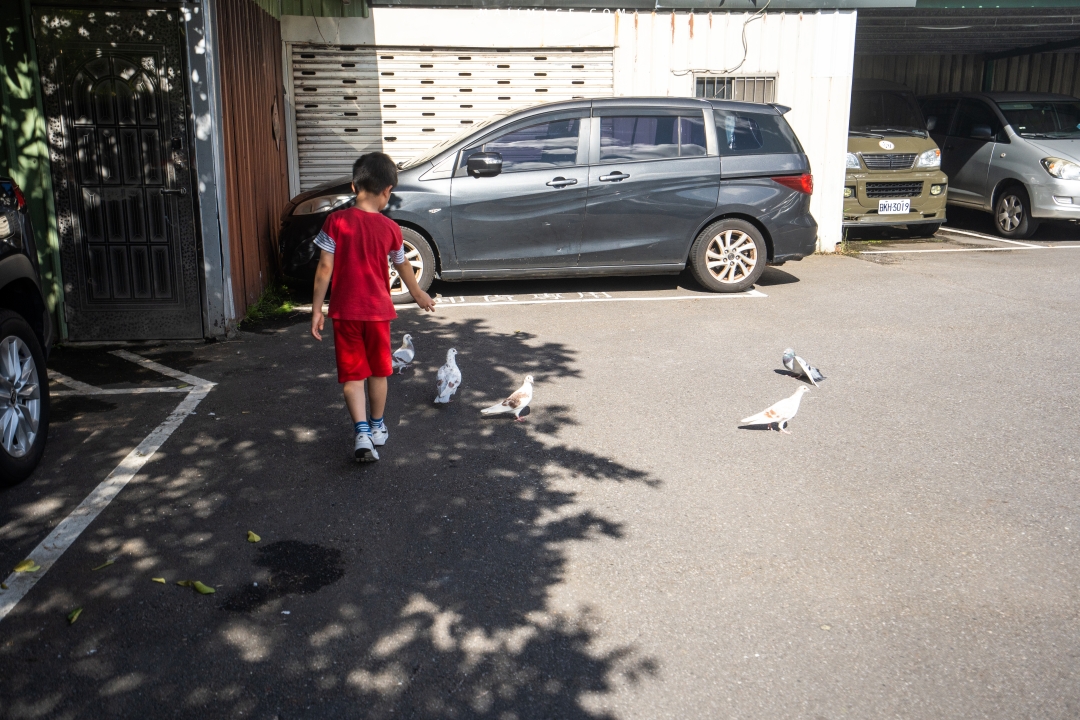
[960,250]
[61,538]
[80,388]
[460,301]
[987,237]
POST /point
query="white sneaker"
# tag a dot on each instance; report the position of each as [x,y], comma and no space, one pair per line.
[364,449]
[380,435]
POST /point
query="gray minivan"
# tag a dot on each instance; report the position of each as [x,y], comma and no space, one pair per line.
[620,186]
[1016,155]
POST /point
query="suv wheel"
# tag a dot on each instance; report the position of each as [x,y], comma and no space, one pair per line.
[418,253]
[728,256]
[24,399]
[1012,213]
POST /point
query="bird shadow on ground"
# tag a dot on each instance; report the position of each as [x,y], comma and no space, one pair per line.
[797,376]
[420,586]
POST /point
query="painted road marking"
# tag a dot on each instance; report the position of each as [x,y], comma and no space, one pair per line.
[63,535]
[960,250]
[988,237]
[80,388]
[564,299]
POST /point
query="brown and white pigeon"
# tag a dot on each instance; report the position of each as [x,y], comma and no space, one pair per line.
[517,402]
[403,356]
[448,380]
[779,414]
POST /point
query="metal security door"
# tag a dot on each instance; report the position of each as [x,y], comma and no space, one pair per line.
[116,104]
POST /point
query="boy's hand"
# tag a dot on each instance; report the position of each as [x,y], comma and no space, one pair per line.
[424,300]
[317,320]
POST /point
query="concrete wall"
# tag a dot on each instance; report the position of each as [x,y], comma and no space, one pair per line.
[657,54]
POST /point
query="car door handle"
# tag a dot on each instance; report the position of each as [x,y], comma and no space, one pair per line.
[562,182]
[181,191]
[614,177]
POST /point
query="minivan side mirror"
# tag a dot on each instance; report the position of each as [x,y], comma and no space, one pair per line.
[485,164]
[982,132]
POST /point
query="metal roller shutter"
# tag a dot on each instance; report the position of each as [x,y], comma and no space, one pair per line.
[403,101]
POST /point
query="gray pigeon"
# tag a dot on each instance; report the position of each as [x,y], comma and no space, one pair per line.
[801,368]
[448,380]
[779,414]
[403,356]
[518,401]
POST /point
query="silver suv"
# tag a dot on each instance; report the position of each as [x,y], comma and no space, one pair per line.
[1016,155]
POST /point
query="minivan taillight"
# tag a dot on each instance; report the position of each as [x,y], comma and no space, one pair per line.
[803,183]
[19,199]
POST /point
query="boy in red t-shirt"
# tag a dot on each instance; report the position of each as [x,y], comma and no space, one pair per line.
[355,244]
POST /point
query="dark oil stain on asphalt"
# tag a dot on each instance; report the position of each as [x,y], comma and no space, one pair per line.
[295,568]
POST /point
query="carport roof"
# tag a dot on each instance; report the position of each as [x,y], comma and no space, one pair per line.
[979,31]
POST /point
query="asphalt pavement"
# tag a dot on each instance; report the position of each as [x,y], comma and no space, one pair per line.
[910,550]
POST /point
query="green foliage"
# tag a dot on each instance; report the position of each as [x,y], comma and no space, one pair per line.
[276,301]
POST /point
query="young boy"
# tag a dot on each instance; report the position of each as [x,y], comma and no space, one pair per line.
[355,243]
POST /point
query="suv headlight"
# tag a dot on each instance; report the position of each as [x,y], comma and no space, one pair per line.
[853,162]
[929,159]
[322,204]
[1063,169]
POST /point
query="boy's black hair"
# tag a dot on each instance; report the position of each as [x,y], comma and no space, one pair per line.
[374,172]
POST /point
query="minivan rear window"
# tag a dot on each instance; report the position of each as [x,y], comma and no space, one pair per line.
[631,138]
[749,133]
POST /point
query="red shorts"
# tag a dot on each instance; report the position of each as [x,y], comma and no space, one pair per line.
[363,349]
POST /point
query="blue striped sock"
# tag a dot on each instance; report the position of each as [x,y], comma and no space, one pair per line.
[377,424]
[362,427]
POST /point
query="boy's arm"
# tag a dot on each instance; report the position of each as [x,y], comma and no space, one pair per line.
[405,271]
[322,282]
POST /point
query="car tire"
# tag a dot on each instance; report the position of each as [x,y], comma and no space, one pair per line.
[418,252]
[923,230]
[728,256]
[1012,213]
[22,365]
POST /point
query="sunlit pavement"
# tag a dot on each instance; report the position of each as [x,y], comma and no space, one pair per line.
[628,552]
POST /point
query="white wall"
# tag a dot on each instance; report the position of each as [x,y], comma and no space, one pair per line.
[810,53]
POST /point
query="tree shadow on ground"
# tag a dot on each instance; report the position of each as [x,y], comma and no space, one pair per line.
[435,567]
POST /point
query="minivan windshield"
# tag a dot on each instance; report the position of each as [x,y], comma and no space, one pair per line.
[887,112]
[1044,118]
[430,154]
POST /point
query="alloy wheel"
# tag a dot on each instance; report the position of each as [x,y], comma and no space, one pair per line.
[20,397]
[414,258]
[1010,213]
[731,256]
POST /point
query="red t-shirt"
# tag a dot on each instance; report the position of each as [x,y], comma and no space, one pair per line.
[361,242]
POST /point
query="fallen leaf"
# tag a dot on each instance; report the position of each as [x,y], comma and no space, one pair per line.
[252,537]
[74,615]
[27,565]
[158,580]
[105,564]
[826,627]
[203,589]
[183,583]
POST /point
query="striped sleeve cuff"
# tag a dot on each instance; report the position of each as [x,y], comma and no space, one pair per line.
[325,242]
[398,256]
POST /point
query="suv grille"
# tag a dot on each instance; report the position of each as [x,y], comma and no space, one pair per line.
[894,190]
[889,161]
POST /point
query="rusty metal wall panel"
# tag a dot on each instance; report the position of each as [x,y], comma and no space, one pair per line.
[256,169]
[1049,72]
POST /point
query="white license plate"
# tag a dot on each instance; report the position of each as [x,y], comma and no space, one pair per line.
[893,207]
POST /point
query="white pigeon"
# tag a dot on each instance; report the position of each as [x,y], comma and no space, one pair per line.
[449,378]
[800,367]
[779,414]
[518,401]
[403,356]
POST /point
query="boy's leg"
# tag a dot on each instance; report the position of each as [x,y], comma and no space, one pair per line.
[356,399]
[377,388]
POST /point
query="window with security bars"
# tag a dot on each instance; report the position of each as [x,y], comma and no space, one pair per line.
[748,88]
